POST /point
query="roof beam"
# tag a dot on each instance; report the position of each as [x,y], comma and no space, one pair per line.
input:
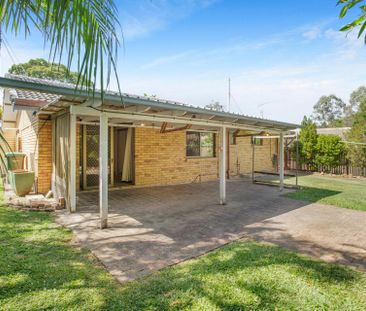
[164,129]
[156,118]
[91,103]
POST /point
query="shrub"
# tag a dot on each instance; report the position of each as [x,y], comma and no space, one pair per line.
[307,142]
[330,150]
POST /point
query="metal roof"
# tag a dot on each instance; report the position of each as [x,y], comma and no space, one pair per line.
[66,94]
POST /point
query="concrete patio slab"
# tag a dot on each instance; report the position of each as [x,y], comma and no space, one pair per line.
[151,228]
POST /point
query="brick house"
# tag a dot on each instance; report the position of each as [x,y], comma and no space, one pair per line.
[75,143]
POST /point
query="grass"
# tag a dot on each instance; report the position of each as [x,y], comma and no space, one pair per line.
[40,270]
[337,191]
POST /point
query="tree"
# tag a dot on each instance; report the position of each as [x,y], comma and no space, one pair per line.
[356,98]
[40,68]
[329,111]
[84,33]
[356,151]
[330,149]
[215,105]
[308,138]
[358,23]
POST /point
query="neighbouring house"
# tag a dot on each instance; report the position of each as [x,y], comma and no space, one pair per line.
[75,143]
[338,131]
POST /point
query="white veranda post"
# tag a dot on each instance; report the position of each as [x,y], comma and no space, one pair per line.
[223,143]
[72,194]
[103,170]
[282,161]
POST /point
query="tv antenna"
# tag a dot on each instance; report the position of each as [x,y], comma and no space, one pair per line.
[229,96]
[261,110]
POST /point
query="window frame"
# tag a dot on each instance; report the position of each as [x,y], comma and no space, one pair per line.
[232,138]
[200,156]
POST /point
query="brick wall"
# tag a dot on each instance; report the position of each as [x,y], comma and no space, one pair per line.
[10,136]
[160,159]
[36,143]
[241,156]
[28,127]
[44,155]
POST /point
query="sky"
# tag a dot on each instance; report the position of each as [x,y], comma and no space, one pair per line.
[281,56]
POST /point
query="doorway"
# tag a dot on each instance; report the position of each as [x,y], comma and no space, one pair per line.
[120,156]
[123,171]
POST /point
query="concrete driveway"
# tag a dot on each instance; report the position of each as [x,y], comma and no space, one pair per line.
[151,228]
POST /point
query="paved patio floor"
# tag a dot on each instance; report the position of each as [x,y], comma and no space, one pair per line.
[151,228]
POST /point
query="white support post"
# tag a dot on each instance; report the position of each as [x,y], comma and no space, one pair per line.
[111,148]
[103,170]
[53,178]
[282,161]
[84,157]
[223,153]
[72,156]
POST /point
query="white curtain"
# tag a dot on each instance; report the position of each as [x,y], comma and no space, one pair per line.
[127,162]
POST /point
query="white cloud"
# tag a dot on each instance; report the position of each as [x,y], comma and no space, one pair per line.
[312,34]
[290,89]
[134,27]
[146,16]
[200,56]
[167,59]
[229,49]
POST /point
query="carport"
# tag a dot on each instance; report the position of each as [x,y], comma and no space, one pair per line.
[150,113]
[72,107]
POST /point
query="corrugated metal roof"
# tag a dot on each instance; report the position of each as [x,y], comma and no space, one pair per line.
[69,92]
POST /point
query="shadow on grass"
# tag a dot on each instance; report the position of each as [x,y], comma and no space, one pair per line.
[36,258]
[311,194]
[38,267]
[240,276]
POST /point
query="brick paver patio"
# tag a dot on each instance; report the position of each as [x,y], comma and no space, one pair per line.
[151,228]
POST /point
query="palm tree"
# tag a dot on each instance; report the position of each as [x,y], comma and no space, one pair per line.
[84,32]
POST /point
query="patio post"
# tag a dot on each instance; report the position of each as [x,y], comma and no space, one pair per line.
[223,153]
[72,193]
[282,161]
[103,170]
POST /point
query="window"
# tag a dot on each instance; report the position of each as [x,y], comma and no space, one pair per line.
[257,141]
[232,138]
[200,144]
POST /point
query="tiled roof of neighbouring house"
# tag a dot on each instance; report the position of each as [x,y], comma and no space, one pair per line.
[36,97]
[25,98]
[338,131]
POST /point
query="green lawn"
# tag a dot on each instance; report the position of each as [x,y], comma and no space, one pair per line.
[40,270]
[337,191]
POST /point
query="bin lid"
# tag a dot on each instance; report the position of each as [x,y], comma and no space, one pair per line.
[14,154]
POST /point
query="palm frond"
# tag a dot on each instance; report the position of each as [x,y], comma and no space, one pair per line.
[85,33]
